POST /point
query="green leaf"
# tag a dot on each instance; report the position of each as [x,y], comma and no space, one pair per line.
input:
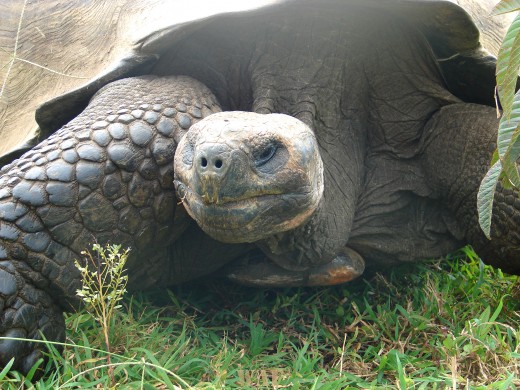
[400,373]
[510,166]
[485,197]
[508,62]
[508,127]
[506,6]
[498,310]
[507,383]
[32,371]
[509,142]
[6,368]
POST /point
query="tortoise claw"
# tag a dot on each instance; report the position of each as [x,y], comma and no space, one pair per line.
[261,272]
[347,266]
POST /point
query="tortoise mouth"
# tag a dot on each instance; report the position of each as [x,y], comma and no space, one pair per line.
[246,219]
[225,202]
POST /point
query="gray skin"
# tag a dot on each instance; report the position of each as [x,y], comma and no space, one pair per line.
[376,161]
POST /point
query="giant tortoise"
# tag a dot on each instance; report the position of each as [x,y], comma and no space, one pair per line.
[291,145]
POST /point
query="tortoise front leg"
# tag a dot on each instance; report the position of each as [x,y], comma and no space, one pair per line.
[458,147]
[26,312]
[107,176]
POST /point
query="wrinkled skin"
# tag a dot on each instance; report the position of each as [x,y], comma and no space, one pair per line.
[374,162]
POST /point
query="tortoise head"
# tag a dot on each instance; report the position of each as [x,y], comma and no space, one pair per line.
[245,176]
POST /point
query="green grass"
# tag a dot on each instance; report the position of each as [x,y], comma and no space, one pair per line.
[445,324]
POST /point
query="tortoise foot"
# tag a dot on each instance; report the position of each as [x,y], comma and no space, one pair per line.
[26,313]
[261,272]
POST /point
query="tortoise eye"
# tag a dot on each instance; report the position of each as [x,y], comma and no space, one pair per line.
[265,155]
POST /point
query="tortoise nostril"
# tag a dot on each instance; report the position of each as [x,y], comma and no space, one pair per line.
[212,158]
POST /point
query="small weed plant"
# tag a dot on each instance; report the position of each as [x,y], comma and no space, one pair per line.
[104,285]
